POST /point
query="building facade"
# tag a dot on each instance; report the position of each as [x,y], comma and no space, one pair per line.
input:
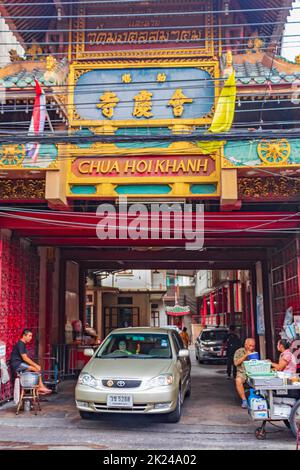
[131,89]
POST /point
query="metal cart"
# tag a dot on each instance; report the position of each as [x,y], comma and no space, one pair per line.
[51,373]
[292,422]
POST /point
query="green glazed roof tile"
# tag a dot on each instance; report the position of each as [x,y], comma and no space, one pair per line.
[21,83]
[275,79]
[260,80]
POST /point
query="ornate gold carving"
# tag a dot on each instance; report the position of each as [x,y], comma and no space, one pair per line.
[229,58]
[34,52]
[14,56]
[22,189]
[79,39]
[255,44]
[109,101]
[50,63]
[274,152]
[260,188]
[143,105]
[11,155]
[178,101]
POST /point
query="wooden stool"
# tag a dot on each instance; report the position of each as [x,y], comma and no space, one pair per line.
[32,395]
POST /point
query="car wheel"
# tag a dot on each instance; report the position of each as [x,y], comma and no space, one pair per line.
[86,415]
[189,388]
[175,415]
[294,418]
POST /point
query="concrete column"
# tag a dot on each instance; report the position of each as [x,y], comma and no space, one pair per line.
[72,291]
[260,291]
[99,314]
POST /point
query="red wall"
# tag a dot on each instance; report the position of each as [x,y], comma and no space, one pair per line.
[19,295]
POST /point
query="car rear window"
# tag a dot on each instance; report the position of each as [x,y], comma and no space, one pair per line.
[136,346]
[213,335]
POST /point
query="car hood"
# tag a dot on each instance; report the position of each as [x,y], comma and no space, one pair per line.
[127,368]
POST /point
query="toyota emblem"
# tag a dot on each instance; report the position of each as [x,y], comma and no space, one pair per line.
[121,383]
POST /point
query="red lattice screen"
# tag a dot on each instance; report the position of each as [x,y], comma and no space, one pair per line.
[285,283]
[19,296]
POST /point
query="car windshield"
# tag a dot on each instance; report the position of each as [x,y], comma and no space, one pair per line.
[136,346]
[213,335]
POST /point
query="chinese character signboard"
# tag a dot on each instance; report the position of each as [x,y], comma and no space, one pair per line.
[143,96]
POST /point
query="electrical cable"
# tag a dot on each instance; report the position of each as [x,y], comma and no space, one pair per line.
[111,15]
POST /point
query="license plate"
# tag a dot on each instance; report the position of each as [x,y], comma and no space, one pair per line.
[281,392]
[120,400]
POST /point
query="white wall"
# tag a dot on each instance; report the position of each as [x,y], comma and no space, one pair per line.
[138,279]
[203,282]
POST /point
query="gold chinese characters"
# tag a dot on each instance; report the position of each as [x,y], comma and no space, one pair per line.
[109,101]
[126,78]
[143,104]
[178,101]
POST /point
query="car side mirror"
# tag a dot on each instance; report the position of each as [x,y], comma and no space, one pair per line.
[184,353]
[89,352]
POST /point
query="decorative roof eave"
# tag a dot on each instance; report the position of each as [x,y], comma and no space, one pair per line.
[178,310]
[266,90]
[256,70]
[17,80]
[281,20]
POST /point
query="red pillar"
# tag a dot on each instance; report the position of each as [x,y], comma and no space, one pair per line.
[49,298]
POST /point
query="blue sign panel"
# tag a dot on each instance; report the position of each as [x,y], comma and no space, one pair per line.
[144,93]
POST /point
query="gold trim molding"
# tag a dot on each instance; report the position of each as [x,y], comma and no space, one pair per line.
[261,188]
[22,189]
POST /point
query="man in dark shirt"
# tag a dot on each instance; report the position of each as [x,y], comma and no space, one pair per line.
[231,342]
[21,362]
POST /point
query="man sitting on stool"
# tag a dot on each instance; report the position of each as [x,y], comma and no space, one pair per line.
[240,356]
[21,362]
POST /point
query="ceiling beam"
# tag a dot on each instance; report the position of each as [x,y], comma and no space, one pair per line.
[217,265]
[183,256]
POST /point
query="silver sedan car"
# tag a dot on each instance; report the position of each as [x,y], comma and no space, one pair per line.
[137,371]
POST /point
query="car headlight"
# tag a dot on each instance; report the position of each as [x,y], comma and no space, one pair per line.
[161,381]
[88,380]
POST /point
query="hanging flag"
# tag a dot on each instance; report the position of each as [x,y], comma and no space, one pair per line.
[37,123]
[223,116]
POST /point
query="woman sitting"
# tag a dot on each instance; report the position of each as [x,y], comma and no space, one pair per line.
[287,360]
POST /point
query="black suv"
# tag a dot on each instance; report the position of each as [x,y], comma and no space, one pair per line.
[209,345]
